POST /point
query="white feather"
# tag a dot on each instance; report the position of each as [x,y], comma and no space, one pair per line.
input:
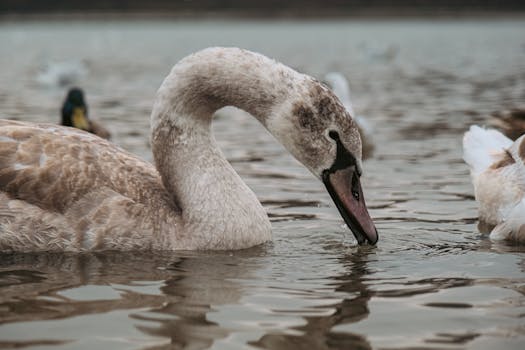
[512,224]
[479,147]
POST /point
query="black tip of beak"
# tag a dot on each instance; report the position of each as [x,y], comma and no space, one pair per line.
[362,238]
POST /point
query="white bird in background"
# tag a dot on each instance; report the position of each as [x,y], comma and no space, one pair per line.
[60,74]
[498,174]
[341,89]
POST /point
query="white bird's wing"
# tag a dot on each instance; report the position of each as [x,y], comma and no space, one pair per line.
[481,146]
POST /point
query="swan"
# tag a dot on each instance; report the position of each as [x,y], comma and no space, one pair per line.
[498,173]
[75,114]
[62,189]
[341,89]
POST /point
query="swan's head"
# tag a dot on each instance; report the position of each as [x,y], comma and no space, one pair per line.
[339,85]
[317,129]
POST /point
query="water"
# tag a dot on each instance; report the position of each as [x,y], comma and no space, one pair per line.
[432,282]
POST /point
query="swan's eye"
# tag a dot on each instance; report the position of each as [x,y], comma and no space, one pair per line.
[333,135]
[355,187]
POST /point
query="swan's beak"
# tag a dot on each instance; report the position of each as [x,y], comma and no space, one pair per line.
[345,189]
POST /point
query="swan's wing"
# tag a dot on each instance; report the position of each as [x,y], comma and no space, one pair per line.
[52,167]
[481,147]
[65,189]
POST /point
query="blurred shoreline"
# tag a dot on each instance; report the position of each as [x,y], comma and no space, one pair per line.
[258,9]
[248,15]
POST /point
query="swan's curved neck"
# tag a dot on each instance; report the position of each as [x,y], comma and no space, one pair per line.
[217,206]
[210,79]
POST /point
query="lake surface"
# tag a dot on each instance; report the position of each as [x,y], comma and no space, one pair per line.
[432,282]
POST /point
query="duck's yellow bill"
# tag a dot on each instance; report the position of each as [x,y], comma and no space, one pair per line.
[80,120]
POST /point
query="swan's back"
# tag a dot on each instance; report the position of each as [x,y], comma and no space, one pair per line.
[53,166]
[64,180]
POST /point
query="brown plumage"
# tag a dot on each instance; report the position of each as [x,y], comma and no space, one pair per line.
[511,122]
[54,196]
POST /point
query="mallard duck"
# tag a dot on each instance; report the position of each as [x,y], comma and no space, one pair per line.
[75,114]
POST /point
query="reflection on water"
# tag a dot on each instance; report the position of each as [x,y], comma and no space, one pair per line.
[268,297]
[317,332]
[176,292]
[433,281]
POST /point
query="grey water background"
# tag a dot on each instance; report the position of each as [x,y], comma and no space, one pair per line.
[432,282]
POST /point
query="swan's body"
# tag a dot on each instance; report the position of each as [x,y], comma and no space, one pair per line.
[498,174]
[341,89]
[66,190]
